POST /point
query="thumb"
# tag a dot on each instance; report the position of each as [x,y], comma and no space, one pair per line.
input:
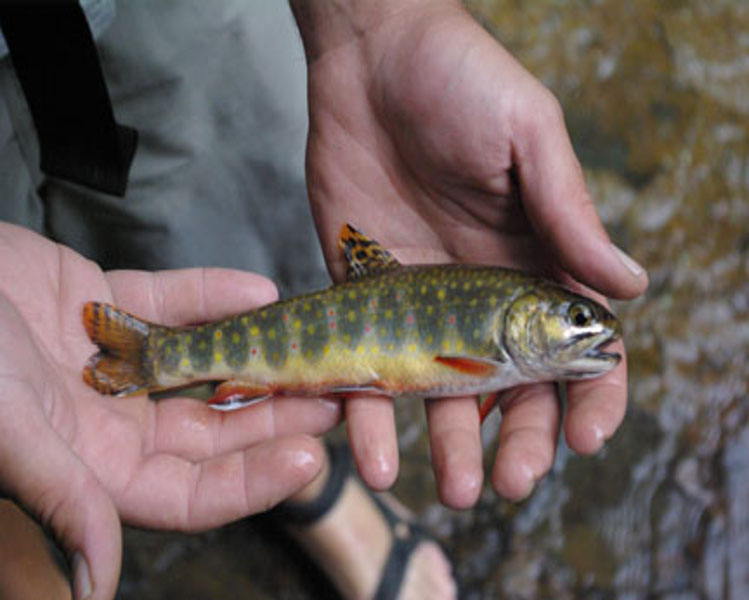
[52,483]
[560,209]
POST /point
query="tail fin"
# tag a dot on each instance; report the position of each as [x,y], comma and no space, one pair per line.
[118,368]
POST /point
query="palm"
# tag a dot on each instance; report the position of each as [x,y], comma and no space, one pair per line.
[70,455]
[447,150]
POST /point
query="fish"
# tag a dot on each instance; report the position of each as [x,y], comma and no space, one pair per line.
[390,329]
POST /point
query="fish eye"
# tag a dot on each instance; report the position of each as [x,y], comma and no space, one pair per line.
[580,315]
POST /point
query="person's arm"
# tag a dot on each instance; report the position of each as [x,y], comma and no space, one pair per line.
[429,136]
[78,461]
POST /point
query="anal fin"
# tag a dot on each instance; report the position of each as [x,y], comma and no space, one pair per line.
[232,395]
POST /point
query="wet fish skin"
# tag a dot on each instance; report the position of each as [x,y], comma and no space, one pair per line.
[435,331]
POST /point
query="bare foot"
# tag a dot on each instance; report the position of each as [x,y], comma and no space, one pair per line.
[352,542]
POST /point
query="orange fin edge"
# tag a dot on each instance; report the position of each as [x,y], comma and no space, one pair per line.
[487,405]
[468,366]
[118,368]
[233,394]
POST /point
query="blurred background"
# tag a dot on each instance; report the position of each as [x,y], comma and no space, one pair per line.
[656,96]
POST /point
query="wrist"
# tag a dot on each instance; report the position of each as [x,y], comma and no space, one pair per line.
[328,24]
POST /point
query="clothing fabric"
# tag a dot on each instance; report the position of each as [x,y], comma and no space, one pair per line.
[217,93]
[99,14]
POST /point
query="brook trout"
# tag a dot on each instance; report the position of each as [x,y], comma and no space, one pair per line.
[433,331]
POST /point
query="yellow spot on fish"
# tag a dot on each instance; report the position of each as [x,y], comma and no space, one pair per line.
[430,310]
[360,349]
[254,330]
[218,334]
[440,294]
[423,289]
[429,339]
[476,333]
[168,351]
[391,346]
[244,320]
[202,345]
[308,354]
[412,348]
[310,329]
[235,338]
[473,302]
[306,307]
[383,331]
[388,314]
[352,294]
[185,363]
[297,324]
[374,350]
[346,352]
[352,316]
[188,339]
[492,301]
[326,350]
[446,345]
[467,286]
[218,357]
[271,334]
[459,346]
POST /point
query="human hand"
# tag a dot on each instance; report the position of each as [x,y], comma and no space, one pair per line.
[430,137]
[75,459]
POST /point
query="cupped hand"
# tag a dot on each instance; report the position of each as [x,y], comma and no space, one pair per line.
[427,135]
[75,459]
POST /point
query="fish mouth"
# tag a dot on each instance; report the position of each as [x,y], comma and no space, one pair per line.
[591,357]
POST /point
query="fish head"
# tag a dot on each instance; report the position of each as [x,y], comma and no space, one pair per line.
[553,333]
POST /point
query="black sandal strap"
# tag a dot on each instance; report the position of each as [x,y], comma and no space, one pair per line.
[407,535]
[304,513]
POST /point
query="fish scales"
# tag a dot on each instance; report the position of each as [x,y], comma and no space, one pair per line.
[403,330]
[386,329]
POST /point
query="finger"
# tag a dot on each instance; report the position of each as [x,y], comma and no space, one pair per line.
[56,487]
[370,423]
[456,450]
[596,407]
[527,439]
[559,207]
[192,430]
[170,492]
[182,296]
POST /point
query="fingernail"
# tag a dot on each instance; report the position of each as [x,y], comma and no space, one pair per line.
[628,262]
[81,577]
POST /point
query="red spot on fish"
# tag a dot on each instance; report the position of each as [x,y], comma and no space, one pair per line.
[373,302]
[398,296]
[410,319]
[293,346]
[254,351]
[451,319]
[285,317]
[332,324]
[366,328]
[331,312]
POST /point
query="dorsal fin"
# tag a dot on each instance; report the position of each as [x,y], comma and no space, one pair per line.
[363,255]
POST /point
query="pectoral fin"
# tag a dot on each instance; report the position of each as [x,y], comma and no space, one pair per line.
[470,366]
